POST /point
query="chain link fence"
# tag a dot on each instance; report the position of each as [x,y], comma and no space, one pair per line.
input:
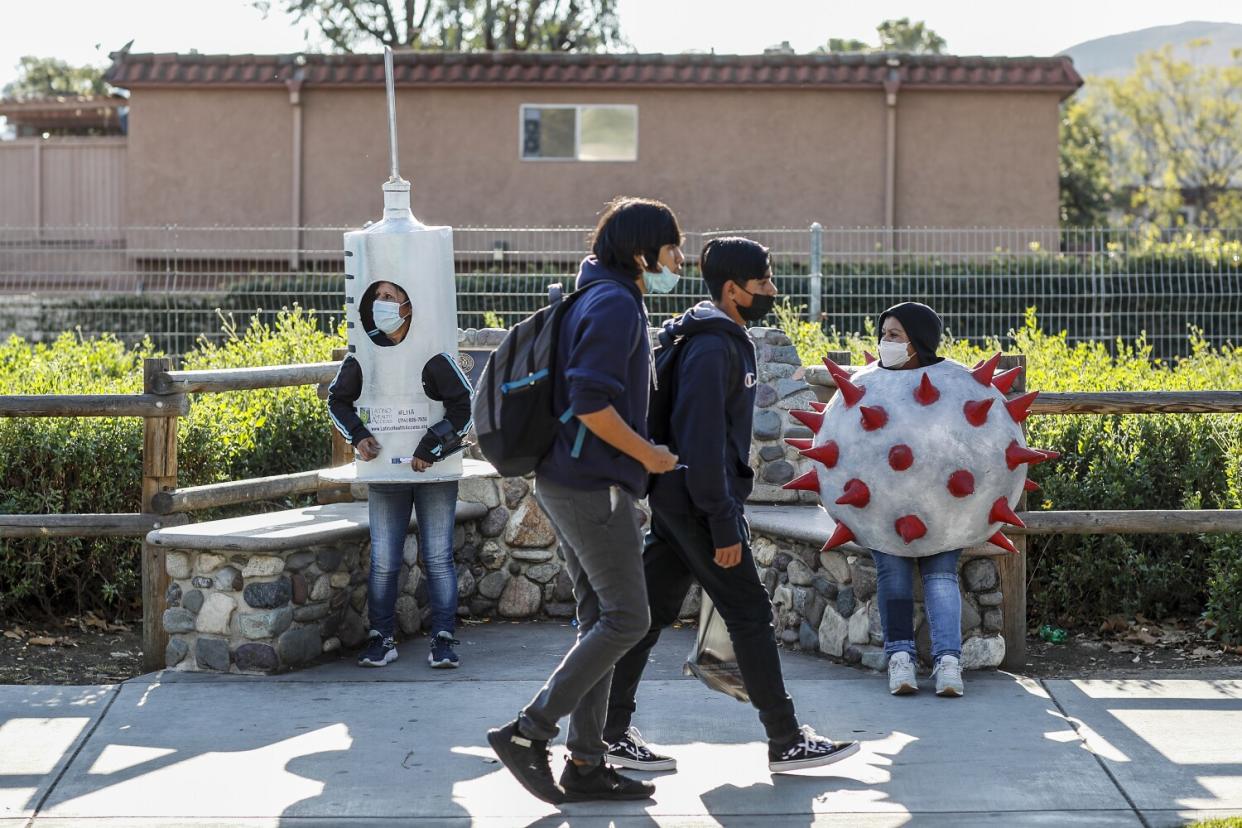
[176,284]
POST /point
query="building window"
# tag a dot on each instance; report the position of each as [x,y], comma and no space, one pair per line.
[571,132]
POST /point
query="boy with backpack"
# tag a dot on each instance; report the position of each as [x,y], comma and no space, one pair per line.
[703,408]
[594,362]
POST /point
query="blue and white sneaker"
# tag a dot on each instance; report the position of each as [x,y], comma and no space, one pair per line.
[380,650]
[442,656]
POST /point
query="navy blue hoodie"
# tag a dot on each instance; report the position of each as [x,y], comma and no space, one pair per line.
[603,358]
[712,415]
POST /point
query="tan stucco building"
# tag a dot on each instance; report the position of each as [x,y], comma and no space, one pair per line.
[530,140]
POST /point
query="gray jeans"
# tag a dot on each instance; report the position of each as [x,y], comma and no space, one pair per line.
[603,546]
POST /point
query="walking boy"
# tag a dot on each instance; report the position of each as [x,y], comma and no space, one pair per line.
[698,525]
[587,484]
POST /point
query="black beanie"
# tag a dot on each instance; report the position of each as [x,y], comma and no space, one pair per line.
[923,327]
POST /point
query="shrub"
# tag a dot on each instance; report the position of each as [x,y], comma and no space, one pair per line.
[62,465]
[1179,461]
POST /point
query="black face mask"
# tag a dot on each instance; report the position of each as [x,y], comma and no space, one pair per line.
[759,307]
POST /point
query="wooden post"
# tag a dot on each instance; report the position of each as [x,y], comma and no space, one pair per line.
[342,453]
[1012,568]
[159,473]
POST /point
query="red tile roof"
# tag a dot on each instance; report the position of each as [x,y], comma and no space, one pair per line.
[833,71]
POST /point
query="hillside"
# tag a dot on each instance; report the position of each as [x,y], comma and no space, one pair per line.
[1114,55]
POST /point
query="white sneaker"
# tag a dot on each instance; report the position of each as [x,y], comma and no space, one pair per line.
[948,675]
[901,678]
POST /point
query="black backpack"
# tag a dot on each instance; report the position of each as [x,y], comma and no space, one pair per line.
[667,354]
[512,409]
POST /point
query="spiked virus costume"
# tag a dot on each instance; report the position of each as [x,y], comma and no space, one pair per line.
[919,461]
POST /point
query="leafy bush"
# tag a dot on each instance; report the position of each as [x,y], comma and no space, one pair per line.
[62,465]
[1177,461]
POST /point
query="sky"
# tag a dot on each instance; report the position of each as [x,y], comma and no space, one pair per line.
[85,31]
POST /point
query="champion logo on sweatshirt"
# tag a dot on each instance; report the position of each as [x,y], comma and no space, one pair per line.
[750,380]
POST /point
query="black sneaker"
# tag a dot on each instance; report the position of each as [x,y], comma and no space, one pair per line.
[602,782]
[808,750]
[380,650]
[442,655]
[631,751]
[527,760]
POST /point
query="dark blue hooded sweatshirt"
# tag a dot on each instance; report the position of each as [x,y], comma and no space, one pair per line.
[603,358]
[712,415]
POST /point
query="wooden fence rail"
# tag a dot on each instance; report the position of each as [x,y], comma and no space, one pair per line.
[230,493]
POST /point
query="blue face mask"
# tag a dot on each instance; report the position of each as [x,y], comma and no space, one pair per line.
[662,282]
[387,316]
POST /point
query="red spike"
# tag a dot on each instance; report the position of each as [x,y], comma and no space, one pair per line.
[873,417]
[1049,455]
[869,357]
[1020,407]
[800,443]
[811,419]
[1002,513]
[961,483]
[818,406]
[840,535]
[827,454]
[983,373]
[910,528]
[856,494]
[808,482]
[900,457]
[977,411]
[1030,486]
[926,393]
[1004,381]
[1016,455]
[1003,542]
[850,392]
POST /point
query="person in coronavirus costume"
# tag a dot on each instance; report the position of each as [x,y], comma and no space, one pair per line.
[915,459]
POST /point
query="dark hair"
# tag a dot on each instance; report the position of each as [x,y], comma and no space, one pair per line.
[633,225]
[732,259]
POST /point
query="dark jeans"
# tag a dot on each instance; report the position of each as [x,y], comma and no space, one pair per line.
[678,550]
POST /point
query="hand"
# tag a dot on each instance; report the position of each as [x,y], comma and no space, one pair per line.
[729,556]
[368,448]
[659,460]
[419,465]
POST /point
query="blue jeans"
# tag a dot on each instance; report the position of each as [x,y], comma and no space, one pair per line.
[942,601]
[435,505]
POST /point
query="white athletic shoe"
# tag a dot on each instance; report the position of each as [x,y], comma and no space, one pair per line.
[948,675]
[901,678]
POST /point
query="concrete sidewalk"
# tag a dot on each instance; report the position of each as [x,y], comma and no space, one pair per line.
[341,746]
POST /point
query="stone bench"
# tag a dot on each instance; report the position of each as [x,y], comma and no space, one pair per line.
[266,592]
[825,601]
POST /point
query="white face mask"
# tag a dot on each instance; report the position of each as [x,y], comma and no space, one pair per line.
[387,315]
[662,282]
[894,354]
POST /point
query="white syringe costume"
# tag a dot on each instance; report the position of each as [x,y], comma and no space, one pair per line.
[418,259]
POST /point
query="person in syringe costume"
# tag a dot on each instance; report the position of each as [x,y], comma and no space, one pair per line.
[401,400]
[389,504]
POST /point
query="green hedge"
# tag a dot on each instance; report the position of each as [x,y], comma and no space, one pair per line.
[56,465]
[1175,461]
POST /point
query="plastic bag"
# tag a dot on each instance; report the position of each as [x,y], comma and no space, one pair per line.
[712,660]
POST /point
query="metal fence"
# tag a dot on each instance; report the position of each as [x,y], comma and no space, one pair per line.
[173,283]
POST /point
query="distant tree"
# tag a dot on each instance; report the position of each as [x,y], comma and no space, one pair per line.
[1174,129]
[846,44]
[1086,176]
[460,25]
[51,77]
[903,36]
[894,36]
